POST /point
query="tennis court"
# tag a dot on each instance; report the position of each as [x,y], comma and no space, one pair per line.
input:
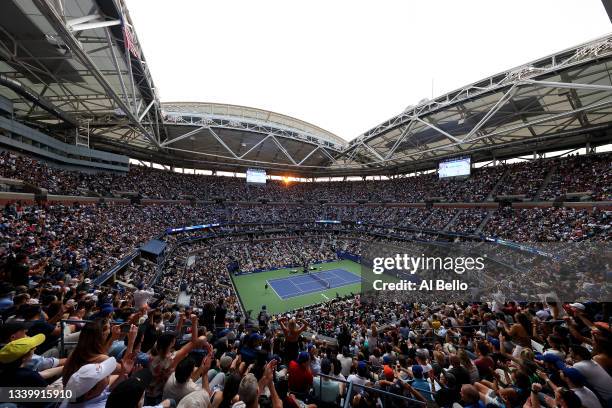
[304,284]
[253,295]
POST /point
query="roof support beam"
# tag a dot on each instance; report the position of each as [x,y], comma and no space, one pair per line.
[181,137]
[437,129]
[282,149]
[116,63]
[37,99]
[532,123]
[328,154]
[255,146]
[47,8]
[374,152]
[505,97]
[568,85]
[142,115]
[400,139]
[216,136]
[308,155]
[82,20]
[94,25]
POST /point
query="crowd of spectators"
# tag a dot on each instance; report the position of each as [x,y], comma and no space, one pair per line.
[132,344]
[572,174]
[469,220]
[525,178]
[550,224]
[129,353]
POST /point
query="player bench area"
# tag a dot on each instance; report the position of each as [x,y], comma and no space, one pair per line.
[304,284]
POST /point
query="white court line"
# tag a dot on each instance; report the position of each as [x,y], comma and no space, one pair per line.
[323,294]
[343,282]
[272,286]
[333,272]
[296,285]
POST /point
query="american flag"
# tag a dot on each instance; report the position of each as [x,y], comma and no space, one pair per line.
[129,39]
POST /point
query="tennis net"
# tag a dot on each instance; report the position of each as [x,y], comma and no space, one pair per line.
[319,279]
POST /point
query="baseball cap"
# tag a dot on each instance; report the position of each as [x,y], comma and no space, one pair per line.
[551,358]
[89,375]
[303,357]
[574,376]
[105,310]
[388,372]
[20,347]
[578,306]
[417,369]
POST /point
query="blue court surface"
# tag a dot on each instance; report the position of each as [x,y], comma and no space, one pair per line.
[304,284]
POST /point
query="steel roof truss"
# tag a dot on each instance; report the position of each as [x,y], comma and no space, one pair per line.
[505,97]
[183,136]
[216,136]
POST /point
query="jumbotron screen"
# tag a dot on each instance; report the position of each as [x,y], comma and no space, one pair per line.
[256,176]
[458,167]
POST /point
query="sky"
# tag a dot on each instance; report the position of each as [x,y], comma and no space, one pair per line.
[347,66]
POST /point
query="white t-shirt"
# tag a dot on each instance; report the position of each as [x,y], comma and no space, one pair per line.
[597,377]
[354,378]
[174,390]
[141,297]
[587,397]
[346,363]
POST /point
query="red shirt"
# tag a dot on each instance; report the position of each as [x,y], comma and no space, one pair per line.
[485,366]
[300,379]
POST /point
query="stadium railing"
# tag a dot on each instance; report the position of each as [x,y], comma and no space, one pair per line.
[388,399]
[116,268]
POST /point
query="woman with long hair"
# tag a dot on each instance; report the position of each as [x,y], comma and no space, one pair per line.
[91,348]
[520,332]
[292,335]
[163,362]
[467,363]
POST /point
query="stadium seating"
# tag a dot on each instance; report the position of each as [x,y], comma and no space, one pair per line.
[54,258]
[524,179]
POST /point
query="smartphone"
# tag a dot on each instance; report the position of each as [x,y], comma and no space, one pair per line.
[125,328]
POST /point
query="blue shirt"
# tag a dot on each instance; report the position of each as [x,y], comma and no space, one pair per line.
[5,303]
[423,387]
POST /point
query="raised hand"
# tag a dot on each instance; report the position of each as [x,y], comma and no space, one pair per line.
[207,361]
[268,376]
[127,363]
